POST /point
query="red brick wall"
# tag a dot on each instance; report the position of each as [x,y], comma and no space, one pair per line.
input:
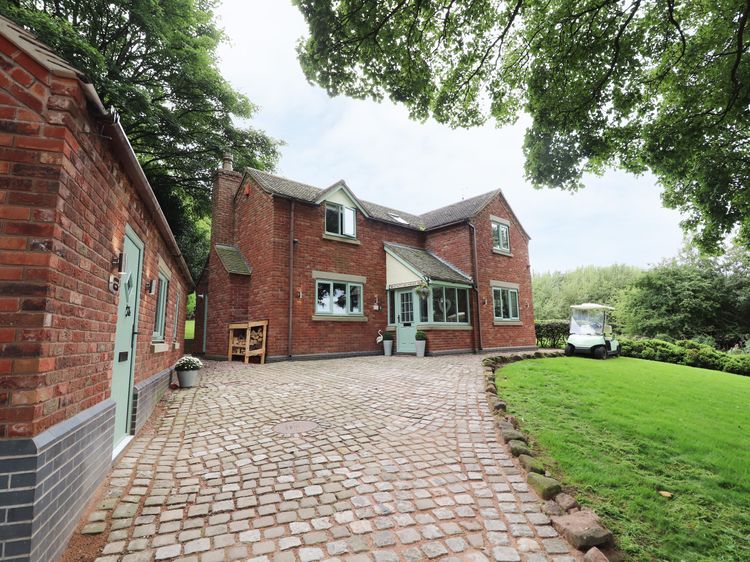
[452,244]
[64,201]
[261,231]
[515,269]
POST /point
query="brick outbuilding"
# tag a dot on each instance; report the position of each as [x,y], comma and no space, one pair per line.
[92,296]
[329,271]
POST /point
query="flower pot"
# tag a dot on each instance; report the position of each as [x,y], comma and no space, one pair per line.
[387,347]
[189,379]
[421,344]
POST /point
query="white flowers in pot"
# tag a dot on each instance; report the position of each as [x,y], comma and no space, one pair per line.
[188,368]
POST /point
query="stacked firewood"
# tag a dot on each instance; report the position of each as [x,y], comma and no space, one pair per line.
[256,338]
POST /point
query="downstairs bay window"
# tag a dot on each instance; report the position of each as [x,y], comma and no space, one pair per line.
[505,304]
[337,298]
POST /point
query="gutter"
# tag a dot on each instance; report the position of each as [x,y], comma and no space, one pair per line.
[475,267]
[291,278]
[123,148]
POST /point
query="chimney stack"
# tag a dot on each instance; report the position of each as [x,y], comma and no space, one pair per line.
[228,162]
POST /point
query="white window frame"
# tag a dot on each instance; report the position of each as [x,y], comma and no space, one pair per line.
[431,313]
[160,318]
[497,244]
[347,309]
[341,210]
[504,293]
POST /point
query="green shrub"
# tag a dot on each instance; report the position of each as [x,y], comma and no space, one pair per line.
[420,336]
[738,364]
[686,352]
[552,333]
[710,341]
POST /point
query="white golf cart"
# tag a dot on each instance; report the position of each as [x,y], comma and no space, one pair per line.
[590,333]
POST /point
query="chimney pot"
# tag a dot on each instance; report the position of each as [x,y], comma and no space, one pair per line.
[228,162]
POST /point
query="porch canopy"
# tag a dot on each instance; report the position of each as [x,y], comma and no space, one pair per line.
[406,266]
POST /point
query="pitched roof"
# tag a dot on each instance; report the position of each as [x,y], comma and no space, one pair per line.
[457,212]
[37,50]
[233,260]
[427,263]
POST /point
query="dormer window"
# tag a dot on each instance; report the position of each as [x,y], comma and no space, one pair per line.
[341,220]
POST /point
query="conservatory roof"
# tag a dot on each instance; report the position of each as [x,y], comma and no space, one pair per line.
[591,306]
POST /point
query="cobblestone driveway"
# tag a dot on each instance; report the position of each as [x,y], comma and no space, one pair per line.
[402,462]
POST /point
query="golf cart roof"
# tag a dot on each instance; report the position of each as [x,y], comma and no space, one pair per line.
[591,306]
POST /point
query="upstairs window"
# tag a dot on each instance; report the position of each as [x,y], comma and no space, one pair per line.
[500,236]
[506,304]
[338,298]
[341,220]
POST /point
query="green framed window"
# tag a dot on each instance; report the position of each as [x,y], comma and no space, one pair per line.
[448,305]
[338,298]
[341,220]
[162,293]
[505,303]
[176,316]
[500,236]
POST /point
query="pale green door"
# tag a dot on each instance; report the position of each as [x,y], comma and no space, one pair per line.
[125,334]
[406,326]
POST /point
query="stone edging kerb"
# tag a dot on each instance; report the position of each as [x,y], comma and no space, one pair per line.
[580,526]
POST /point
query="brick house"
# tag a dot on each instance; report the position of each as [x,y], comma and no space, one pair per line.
[92,296]
[328,271]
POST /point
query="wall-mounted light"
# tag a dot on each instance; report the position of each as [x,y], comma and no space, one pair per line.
[151,286]
[484,301]
[199,296]
[299,294]
[119,262]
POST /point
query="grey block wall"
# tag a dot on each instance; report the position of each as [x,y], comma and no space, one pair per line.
[146,395]
[45,483]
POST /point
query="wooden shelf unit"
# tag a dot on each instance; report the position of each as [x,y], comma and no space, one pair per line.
[248,339]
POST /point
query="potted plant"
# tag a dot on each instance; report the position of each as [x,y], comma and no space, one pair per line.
[421,342]
[388,343]
[188,371]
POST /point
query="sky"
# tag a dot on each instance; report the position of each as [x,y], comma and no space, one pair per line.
[387,158]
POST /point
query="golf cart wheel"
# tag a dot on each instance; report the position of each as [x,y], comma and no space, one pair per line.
[600,352]
[570,349]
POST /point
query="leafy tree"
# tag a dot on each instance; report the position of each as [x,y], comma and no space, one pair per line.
[640,84]
[554,292]
[154,61]
[684,299]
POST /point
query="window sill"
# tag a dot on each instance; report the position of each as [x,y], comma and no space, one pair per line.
[507,323]
[337,238]
[460,327]
[159,347]
[332,318]
[502,252]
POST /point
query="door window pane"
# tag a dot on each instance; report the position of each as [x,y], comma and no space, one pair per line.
[333,220]
[423,303]
[324,298]
[349,222]
[407,310]
[355,298]
[391,307]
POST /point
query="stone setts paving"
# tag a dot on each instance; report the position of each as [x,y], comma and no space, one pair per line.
[400,460]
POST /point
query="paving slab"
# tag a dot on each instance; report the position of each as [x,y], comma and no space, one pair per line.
[371,458]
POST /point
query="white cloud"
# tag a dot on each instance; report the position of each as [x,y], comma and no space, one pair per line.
[389,159]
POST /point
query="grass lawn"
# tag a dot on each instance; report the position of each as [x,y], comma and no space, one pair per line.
[189,329]
[621,430]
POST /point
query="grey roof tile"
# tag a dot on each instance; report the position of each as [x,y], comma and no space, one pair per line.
[428,263]
[443,216]
[233,260]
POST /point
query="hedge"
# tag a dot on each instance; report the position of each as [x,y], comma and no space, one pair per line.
[686,352]
[551,333]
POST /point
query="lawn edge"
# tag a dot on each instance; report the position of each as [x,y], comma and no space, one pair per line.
[581,527]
